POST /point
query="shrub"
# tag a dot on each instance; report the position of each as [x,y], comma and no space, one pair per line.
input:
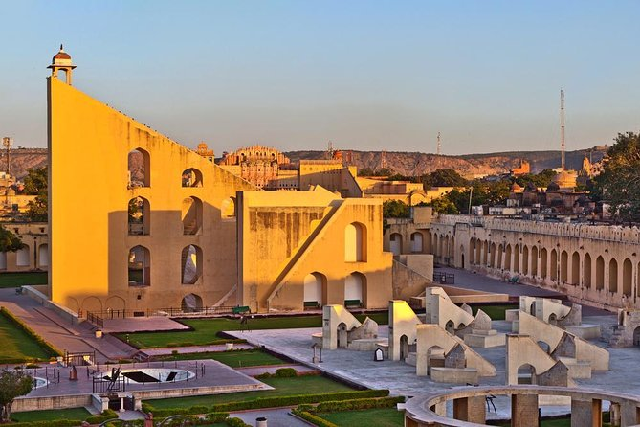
[237,422]
[286,373]
[52,423]
[107,414]
[358,404]
[314,419]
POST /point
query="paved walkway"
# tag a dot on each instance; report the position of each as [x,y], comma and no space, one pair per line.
[469,280]
[61,333]
[275,417]
[142,324]
[196,349]
[257,370]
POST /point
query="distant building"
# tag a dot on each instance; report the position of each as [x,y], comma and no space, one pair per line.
[257,164]
[523,169]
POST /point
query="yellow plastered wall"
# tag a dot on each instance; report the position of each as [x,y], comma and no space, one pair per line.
[286,236]
[89,144]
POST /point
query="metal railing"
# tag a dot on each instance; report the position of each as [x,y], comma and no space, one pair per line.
[98,317]
[447,278]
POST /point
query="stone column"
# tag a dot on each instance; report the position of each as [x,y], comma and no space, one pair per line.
[470,409]
[614,414]
[524,410]
[581,413]
[630,414]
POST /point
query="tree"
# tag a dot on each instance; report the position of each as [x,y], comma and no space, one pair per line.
[443,205]
[13,384]
[9,242]
[619,182]
[36,182]
[443,178]
[540,180]
[395,209]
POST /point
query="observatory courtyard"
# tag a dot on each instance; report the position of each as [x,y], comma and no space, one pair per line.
[191,293]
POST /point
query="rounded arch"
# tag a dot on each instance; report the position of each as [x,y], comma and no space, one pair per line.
[191,303]
[636,336]
[462,256]
[138,216]
[525,260]
[191,264]
[114,303]
[450,327]
[395,244]
[472,250]
[485,252]
[139,266]
[526,374]
[613,276]
[507,257]
[492,253]
[228,208]
[139,167]
[543,263]
[599,273]
[23,256]
[586,272]
[192,178]
[417,243]
[43,255]
[91,304]
[575,268]
[314,290]
[564,267]
[355,242]
[191,216]
[534,261]
[355,286]
[553,267]
[626,277]
[499,256]
[516,259]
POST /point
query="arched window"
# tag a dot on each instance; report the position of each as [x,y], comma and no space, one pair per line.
[315,289]
[191,178]
[354,289]
[191,216]
[587,271]
[43,255]
[626,277]
[599,273]
[395,244]
[613,276]
[416,243]
[139,266]
[192,303]
[138,214]
[191,264]
[575,268]
[23,257]
[139,167]
[355,242]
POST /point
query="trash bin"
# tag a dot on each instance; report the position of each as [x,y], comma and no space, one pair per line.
[261,422]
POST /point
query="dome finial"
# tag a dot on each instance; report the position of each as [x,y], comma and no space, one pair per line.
[61,50]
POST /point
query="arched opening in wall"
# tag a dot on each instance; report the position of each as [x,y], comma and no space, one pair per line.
[435,358]
[626,277]
[479,245]
[499,256]
[543,263]
[23,257]
[525,260]
[532,308]
[228,208]
[342,336]
[191,216]
[191,178]
[527,374]
[636,336]
[472,249]
[191,264]
[416,243]
[114,303]
[395,244]
[191,303]
[575,268]
[139,166]
[516,259]
[91,305]
[139,266]
[599,273]
[43,255]
[355,289]
[485,252]
[404,347]
[586,272]
[3,260]
[507,258]
[564,267]
[138,216]
[613,275]
[492,256]
[434,245]
[461,258]
[553,319]
[355,242]
[450,327]
[315,290]
[553,268]
[534,261]
[544,346]
[445,249]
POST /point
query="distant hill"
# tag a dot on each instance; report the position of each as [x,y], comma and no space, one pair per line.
[416,163]
[406,163]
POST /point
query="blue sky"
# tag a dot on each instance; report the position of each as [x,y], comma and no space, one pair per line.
[366,75]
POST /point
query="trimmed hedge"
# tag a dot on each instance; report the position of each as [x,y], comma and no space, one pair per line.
[52,423]
[53,351]
[313,419]
[285,373]
[358,404]
[237,422]
[107,414]
[267,402]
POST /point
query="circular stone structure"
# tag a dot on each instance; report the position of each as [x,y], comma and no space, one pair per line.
[470,403]
[39,382]
[152,375]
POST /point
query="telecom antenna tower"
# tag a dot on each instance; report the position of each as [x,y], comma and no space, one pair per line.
[562,125]
[439,146]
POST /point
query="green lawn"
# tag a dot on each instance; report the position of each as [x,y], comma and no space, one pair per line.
[495,311]
[55,414]
[17,346]
[387,417]
[309,384]
[9,280]
[206,330]
[233,358]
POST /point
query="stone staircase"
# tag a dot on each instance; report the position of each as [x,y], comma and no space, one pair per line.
[617,337]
